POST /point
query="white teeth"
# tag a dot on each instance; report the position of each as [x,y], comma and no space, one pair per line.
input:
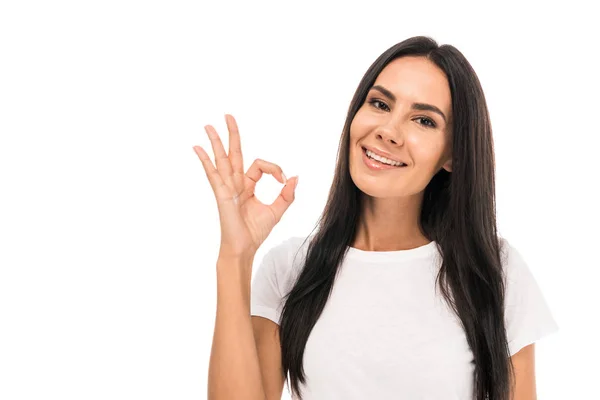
[383,160]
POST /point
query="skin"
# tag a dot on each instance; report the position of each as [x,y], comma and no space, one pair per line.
[393,198]
[524,364]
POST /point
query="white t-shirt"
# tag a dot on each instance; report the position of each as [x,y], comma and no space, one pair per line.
[385,333]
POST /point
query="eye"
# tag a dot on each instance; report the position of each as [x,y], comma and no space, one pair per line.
[373,101]
[428,120]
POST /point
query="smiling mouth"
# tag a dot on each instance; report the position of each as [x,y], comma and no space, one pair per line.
[375,163]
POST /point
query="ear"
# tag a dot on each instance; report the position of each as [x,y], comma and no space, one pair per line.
[448,165]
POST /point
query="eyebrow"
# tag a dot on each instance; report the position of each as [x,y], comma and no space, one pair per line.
[415,106]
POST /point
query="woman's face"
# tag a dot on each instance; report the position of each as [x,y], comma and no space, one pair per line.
[398,119]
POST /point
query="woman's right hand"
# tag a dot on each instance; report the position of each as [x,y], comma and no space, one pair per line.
[245,221]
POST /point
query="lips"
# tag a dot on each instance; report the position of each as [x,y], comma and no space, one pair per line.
[375,165]
[382,153]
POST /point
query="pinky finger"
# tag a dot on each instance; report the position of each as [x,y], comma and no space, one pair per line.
[211,172]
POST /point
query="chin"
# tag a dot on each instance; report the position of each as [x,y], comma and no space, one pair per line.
[375,188]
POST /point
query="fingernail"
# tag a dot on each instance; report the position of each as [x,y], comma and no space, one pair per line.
[284,179]
[296,185]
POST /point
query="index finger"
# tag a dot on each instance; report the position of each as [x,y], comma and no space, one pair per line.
[235,145]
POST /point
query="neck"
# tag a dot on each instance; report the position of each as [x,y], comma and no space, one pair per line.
[389,224]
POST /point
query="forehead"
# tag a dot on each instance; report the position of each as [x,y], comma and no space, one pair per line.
[416,79]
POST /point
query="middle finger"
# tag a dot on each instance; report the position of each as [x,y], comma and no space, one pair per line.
[235,151]
[221,159]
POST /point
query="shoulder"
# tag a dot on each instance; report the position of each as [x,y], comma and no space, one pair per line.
[507,250]
[288,252]
[513,263]
[528,317]
[284,260]
[275,271]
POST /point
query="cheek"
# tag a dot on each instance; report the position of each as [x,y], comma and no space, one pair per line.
[424,150]
[357,132]
[365,117]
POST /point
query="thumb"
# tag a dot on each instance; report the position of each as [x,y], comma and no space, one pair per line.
[285,198]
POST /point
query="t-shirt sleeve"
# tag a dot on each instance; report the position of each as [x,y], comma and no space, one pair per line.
[527,315]
[266,292]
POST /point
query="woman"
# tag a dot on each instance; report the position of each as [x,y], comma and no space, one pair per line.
[406,290]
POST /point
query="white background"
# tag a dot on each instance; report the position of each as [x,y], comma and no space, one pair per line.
[108,226]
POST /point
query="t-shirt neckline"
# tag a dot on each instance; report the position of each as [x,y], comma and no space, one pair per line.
[391,256]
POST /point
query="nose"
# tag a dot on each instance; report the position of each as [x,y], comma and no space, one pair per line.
[390,134]
[387,139]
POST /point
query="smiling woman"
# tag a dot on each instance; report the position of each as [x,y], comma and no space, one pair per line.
[405,290]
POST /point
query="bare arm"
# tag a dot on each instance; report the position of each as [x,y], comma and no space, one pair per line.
[524,364]
[266,334]
[234,371]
